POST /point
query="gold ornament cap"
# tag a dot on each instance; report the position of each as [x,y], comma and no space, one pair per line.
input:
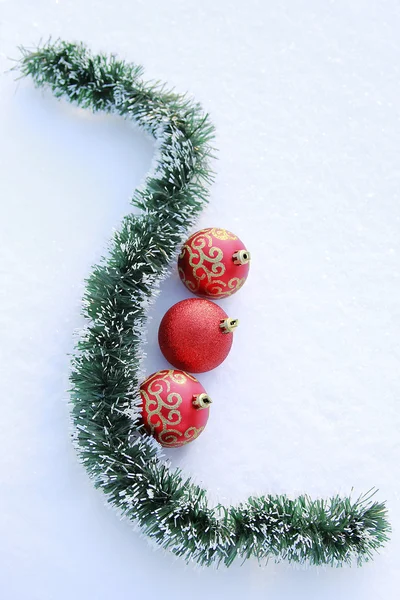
[228,325]
[201,401]
[241,257]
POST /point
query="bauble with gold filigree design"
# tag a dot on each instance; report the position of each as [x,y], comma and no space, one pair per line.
[213,263]
[175,407]
[196,335]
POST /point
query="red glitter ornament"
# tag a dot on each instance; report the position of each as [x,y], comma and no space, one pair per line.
[196,335]
[213,263]
[175,407]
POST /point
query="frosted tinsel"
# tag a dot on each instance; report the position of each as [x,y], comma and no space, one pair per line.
[127,465]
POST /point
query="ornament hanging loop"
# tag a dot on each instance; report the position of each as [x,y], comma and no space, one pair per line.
[201,401]
[228,325]
[241,257]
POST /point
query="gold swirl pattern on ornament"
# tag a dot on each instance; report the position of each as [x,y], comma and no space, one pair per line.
[154,403]
[171,437]
[180,378]
[222,234]
[193,432]
[202,252]
[218,291]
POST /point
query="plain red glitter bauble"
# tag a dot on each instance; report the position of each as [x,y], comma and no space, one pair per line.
[191,337]
[213,263]
[175,407]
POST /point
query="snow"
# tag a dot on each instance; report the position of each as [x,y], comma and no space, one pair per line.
[304,96]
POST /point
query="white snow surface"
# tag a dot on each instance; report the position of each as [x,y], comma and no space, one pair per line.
[305,98]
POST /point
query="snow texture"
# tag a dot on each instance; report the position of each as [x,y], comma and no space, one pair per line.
[305,98]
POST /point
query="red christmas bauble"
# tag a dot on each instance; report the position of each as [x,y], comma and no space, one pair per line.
[195,335]
[213,263]
[175,407]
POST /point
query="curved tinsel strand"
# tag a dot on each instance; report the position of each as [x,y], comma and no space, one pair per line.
[125,464]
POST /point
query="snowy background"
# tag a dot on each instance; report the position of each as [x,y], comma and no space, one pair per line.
[305,98]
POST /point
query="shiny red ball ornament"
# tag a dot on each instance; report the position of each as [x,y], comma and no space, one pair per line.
[196,335]
[175,407]
[213,263]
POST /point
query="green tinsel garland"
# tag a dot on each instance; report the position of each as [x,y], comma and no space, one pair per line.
[127,465]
